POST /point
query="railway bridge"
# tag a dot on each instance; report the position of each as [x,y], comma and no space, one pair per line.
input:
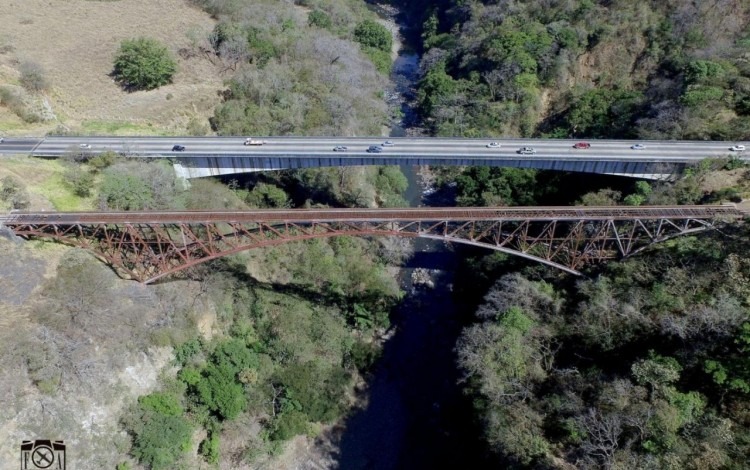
[147,246]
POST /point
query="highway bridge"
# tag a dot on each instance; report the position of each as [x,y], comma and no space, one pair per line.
[147,246]
[214,156]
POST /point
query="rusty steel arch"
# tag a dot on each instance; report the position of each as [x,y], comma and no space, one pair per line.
[147,246]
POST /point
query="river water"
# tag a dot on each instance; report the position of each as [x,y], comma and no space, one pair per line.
[416,414]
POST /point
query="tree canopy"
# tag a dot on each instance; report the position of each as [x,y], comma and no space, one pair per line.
[143,64]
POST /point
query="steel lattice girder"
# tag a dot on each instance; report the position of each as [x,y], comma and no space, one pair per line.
[147,251]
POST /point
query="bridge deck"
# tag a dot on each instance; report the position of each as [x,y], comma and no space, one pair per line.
[380,215]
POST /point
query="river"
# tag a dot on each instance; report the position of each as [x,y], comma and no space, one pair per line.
[416,415]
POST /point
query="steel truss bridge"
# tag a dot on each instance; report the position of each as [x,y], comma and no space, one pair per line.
[147,246]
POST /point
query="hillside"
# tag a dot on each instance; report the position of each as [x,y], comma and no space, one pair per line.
[636,69]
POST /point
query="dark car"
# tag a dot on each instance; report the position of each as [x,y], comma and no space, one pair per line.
[526,151]
[374,149]
[582,145]
[178,148]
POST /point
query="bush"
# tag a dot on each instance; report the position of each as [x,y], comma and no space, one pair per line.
[124,192]
[143,64]
[320,19]
[12,192]
[79,180]
[103,160]
[162,440]
[33,76]
[372,34]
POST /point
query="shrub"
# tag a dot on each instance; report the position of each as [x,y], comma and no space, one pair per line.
[162,440]
[372,34]
[12,192]
[124,192]
[143,64]
[79,180]
[209,448]
[319,19]
[33,76]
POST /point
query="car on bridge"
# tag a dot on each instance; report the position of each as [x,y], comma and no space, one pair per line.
[178,148]
[493,145]
[388,143]
[638,147]
[84,146]
[526,151]
[251,141]
[582,145]
[340,148]
[374,149]
[737,148]
[2,140]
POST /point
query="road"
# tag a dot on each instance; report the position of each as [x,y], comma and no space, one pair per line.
[403,148]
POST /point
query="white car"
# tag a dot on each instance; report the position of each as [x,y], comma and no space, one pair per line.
[638,147]
[84,146]
[2,140]
[493,145]
[737,148]
[388,143]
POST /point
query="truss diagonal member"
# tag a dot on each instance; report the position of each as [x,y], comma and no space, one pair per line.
[459,228]
[570,242]
[594,243]
[513,235]
[433,227]
[545,238]
[493,228]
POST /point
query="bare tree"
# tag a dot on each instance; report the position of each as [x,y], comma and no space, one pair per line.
[602,436]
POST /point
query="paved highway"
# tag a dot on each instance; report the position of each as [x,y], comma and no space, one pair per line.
[403,148]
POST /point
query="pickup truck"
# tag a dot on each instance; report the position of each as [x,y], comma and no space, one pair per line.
[251,141]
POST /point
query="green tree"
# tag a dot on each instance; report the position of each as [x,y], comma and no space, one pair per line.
[372,34]
[435,86]
[144,64]
[221,392]
[121,191]
[267,195]
[161,440]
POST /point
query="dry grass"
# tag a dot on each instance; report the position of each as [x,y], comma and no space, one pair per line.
[718,180]
[75,42]
[43,179]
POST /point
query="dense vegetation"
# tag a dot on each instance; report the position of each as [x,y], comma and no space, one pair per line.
[298,73]
[645,366]
[634,69]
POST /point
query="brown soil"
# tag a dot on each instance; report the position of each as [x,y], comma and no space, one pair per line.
[75,42]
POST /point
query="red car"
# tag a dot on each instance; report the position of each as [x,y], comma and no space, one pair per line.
[582,145]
